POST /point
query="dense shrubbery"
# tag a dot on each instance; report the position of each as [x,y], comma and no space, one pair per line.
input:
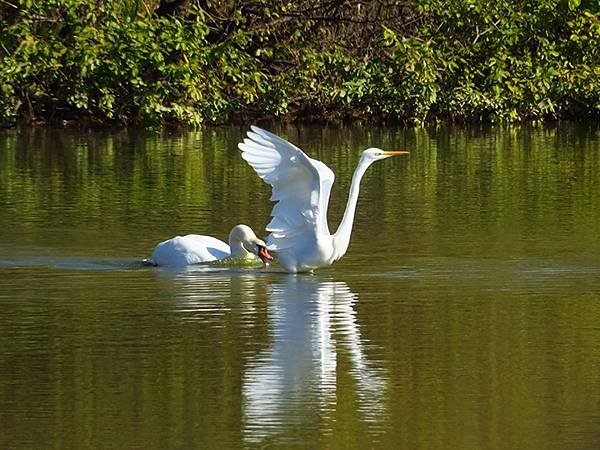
[196,62]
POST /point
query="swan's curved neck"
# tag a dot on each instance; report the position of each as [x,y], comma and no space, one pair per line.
[341,238]
[237,248]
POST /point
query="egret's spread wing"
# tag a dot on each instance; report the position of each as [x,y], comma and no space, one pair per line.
[301,187]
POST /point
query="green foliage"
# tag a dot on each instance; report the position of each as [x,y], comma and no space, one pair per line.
[426,60]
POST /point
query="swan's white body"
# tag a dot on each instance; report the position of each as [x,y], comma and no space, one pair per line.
[196,249]
[301,186]
[190,249]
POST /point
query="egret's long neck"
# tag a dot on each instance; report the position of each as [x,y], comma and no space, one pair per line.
[341,238]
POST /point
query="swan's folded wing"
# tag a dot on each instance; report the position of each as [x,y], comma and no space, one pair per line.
[301,187]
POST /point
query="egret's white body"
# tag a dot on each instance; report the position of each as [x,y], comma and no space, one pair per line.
[196,249]
[301,186]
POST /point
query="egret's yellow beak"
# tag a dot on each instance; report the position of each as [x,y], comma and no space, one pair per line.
[396,153]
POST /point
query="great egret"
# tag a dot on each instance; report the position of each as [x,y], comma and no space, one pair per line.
[243,247]
[301,186]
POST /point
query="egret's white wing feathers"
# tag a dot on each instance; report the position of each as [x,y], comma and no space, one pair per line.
[301,188]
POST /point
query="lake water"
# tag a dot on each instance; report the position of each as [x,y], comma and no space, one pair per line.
[466,313]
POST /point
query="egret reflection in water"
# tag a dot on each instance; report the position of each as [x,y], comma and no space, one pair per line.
[302,346]
[313,322]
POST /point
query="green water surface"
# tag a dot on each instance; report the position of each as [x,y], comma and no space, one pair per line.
[465,315]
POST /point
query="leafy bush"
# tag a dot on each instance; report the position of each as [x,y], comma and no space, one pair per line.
[143,62]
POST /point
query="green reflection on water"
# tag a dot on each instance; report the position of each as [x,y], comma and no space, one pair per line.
[464,315]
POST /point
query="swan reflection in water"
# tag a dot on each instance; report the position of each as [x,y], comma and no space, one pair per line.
[295,381]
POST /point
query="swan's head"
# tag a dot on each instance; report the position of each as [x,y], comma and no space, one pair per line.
[261,251]
[374,154]
[243,236]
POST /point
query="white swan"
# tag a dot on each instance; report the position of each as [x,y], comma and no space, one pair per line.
[301,187]
[243,247]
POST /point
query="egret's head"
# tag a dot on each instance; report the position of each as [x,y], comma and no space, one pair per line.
[244,235]
[374,154]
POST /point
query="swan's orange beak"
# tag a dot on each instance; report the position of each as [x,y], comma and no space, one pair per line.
[396,153]
[264,255]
